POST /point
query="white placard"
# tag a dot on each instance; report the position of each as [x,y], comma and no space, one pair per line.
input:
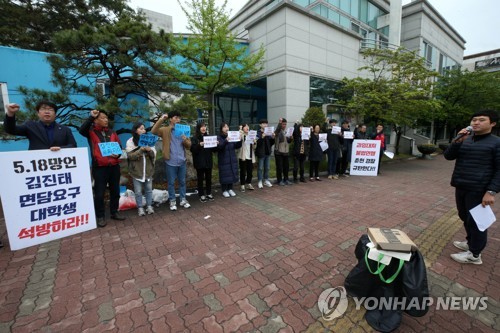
[323,145]
[289,131]
[364,158]
[483,216]
[322,136]
[252,135]
[389,154]
[46,195]
[268,131]
[233,136]
[348,135]
[306,133]
[210,141]
[336,129]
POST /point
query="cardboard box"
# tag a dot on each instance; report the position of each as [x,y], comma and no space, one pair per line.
[391,240]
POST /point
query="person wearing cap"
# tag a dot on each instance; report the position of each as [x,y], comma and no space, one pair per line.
[45,133]
[105,169]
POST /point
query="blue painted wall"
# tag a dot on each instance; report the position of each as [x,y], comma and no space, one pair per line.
[31,69]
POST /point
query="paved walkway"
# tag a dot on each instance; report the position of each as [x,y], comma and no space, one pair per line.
[254,263]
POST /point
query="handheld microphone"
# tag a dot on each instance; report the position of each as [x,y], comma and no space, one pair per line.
[469,131]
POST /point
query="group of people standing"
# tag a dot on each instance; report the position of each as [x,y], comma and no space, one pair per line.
[476,175]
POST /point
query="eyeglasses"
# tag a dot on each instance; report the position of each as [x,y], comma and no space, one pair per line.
[48,108]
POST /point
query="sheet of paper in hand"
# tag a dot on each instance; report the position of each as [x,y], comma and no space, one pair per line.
[306,133]
[110,148]
[289,132]
[252,135]
[233,136]
[147,140]
[322,136]
[181,129]
[348,135]
[336,130]
[268,131]
[210,141]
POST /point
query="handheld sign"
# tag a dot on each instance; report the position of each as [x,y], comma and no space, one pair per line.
[336,130]
[289,132]
[306,133]
[110,148]
[268,131]
[210,141]
[322,136]
[323,145]
[233,136]
[147,140]
[348,135]
[181,129]
[252,135]
[46,195]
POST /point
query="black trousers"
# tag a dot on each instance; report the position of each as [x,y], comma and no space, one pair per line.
[246,168]
[204,174]
[342,163]
[282,167]
[313,169]
[298,166]
[467,200]
[104,177]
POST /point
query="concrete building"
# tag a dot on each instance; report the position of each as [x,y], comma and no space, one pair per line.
[312,45]
[427,33]
[158,21]
[488,61]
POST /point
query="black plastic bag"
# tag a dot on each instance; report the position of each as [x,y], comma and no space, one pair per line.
[381,318]
[360,282]
[414,285]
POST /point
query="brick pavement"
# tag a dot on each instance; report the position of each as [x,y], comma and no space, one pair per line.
[257,264]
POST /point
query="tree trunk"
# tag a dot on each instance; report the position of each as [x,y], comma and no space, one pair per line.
[211,113]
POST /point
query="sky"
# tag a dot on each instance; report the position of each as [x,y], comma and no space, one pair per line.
[475,20]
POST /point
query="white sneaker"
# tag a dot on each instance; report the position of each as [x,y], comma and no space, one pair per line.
[268,183]
[184,203]
[225,194]
[140,211]
[231,193]
[250,187]
[461,245]
[466,258]
[173,205]
[259,185]
[150,210]
[242,188]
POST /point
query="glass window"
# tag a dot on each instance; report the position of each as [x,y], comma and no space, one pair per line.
[345,5]
[333,16]
[363,11]
[373,13]
[355,8]
[323,91]
[335,3]
[303,3]
[345,21]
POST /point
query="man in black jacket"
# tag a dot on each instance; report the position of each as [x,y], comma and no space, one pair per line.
[476,179]
[42,134]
